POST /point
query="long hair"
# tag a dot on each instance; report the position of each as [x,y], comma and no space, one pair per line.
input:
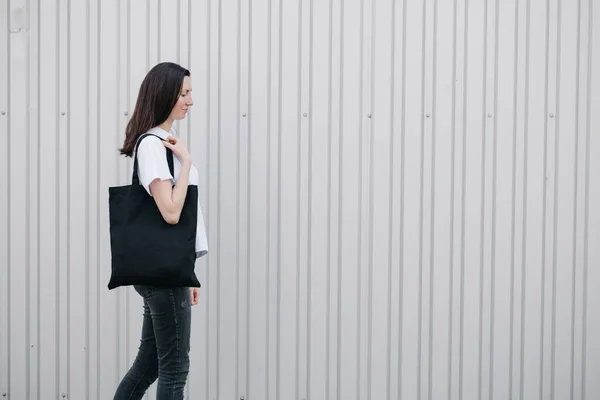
[158,95]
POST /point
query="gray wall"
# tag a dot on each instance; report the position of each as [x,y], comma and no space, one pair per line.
[403,198]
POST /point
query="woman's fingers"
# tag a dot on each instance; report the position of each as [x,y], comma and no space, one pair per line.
[167,144]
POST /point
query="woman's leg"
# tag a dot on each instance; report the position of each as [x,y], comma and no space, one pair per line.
[171,319]
[144,370]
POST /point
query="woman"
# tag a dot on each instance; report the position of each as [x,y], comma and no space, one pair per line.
[165,96]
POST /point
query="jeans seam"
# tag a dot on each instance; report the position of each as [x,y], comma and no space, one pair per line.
[138,382]
[177,333]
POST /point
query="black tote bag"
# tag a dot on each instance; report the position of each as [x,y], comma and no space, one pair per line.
[145,249]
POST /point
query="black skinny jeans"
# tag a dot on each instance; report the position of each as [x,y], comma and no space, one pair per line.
[164,348]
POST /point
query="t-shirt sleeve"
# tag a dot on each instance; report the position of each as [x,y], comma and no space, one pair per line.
[152,162]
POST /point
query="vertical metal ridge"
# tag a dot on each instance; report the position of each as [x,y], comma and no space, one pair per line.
[391,199]
[148,36]
[309,207]
[575,199]
[494,210]
[513,203]
[360,201]
[452,196]
[544,206]
[57,210]
[218,297]
[463,200]
[38,187]
[189,67]
[421,185]
[328,249]
[268,247]
[158,28]
[98,169]
[555,202]
[298,196]
[249,248]
[238,190]
[128,70]
[360,206]
[587,202]
[208,175]
[340,202]
[7,210]
[126,107]
[68,199]
[28,221]
[402,199]
[208,33]
[524,188]
[371,131]
[88,261]
[482,198]
[128,85]
[249,202]
[178,28]
[121,294]
[8,202]
[279,95]
[432,201]
[208,30]
[117,309]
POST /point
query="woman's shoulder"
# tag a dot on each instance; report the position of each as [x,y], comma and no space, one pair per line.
[151,148]
[149,140]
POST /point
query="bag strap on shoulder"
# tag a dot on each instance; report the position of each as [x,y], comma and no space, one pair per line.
[169,154]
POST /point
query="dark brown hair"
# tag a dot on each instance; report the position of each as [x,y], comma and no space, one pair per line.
[158,95]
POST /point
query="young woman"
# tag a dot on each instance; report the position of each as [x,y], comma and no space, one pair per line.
[165,96]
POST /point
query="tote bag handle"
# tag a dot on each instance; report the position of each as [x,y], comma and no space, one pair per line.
[134,178]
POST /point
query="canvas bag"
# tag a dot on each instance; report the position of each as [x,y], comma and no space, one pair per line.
[145,249]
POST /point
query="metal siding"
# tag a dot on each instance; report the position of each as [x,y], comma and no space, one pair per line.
[400,196]
[4,204]
[591,320]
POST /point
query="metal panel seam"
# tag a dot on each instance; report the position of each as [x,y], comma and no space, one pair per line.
[513,200]
[587,204]
[494,210]
[575,199]
[524,188]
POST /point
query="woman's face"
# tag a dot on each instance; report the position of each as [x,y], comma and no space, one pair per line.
[184,101]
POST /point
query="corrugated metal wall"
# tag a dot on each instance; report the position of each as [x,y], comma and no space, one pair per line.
[402,197]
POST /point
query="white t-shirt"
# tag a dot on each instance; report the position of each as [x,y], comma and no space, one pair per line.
[152,164]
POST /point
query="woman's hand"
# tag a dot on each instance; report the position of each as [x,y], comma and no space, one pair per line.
[178,148]
[195,294]
[169,198]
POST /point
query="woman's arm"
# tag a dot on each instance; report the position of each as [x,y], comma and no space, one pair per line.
[170,199]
